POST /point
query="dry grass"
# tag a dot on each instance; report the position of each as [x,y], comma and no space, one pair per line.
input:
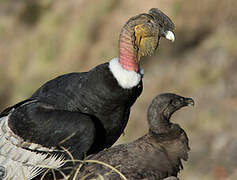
[74,161]
[77,170]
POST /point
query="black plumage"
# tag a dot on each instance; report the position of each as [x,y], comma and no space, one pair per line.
[156,155]
[88,111]
[69,99]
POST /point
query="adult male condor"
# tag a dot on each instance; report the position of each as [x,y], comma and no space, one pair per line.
[154,156]
[81,112]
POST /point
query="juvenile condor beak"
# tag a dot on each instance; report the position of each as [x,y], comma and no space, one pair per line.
[189,102]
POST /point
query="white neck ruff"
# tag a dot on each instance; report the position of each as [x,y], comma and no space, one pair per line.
[126,79]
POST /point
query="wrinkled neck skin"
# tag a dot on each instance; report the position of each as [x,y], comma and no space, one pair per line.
[127,53]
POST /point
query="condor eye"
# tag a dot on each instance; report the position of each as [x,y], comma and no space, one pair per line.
[175,102]
[150,23]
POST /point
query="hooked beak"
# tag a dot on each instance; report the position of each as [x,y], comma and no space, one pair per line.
[189,102]
[169,35]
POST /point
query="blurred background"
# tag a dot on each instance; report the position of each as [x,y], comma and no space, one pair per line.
[40,40]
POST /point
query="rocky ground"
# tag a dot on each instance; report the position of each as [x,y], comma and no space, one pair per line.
[42,39]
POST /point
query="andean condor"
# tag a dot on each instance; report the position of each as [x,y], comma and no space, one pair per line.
[80,113]
[154,156]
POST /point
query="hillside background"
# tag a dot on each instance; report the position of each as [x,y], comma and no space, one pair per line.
[40,40]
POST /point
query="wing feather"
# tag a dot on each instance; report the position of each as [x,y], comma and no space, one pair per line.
[20,163]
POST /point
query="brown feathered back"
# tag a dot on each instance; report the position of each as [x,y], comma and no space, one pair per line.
[156,155]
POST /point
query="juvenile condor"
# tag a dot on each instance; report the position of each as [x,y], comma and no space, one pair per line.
[154,156]
[81,112]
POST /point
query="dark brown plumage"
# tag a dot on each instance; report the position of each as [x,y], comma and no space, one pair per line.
[156,155]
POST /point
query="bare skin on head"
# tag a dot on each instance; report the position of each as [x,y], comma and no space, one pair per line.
[140,37]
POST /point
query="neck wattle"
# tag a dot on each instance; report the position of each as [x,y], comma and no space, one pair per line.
[127,56]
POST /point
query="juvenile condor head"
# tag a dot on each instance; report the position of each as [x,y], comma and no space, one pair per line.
[140,37]
[162,108]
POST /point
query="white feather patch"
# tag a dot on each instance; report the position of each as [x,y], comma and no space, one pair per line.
[126,79]
[19,163]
